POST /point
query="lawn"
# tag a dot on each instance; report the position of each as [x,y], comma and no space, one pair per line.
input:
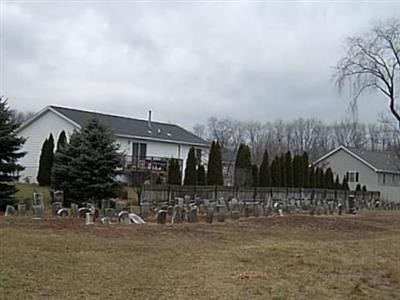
[291,257]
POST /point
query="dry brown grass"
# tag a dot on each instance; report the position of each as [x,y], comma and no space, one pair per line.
[293,257]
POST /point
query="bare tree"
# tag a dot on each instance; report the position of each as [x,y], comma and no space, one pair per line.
[372,61]
[200,130]
[21,116]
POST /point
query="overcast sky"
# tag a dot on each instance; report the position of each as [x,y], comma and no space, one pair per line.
[185,61]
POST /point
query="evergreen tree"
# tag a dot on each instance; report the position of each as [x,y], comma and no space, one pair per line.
[275,176]
[255,175]
[190,171]
[214,171]
[297,170]
[87,167]
[305,170]
[328,179]
[46,162]
[265,171]
[174,172]
[282,171]
[10,144]
[364,188]
[243,167]
[337,183]
[288,169]
[312,183]
[358,188]
[201,175]
[345,184]
[62,140]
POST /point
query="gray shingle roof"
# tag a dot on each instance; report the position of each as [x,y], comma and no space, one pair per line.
[134,127]
[381,160]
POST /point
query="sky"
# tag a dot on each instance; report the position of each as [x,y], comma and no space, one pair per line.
[184,60]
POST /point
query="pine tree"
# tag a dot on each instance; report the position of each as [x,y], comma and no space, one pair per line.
[358,188]
[214,172]
[62,140]
[345,184]
[337,183]
[255,175]
[288,169]
[328,179]
[297,172]
[46,162]
[174,172]
[320,178]
[201,175]
[305,170]
[276,172]
[243,166]
[312,183]
[282,171]
[190,171]
[265,171]
[87,167]
[10,144]
[364,188]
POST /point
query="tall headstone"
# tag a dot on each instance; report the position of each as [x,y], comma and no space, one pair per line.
[21,210]
[145,210]
[89,220]
[210,215]
[74,210]
[177,215]
[192,214]
[161,216]
[10,211]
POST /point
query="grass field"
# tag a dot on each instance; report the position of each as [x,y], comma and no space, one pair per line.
[291,257]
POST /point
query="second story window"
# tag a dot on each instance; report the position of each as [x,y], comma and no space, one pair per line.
[353,176]
[139,151]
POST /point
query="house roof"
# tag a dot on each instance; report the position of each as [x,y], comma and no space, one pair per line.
[130,127]
[379,161]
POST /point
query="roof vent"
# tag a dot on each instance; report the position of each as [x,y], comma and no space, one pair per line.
[169,134]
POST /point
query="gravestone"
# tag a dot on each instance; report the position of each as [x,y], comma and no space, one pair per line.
[55,207]
[37,211]
[123,217]
[256,210]
[89,220]
[210,215]
[83,211]
[145,210]
[105,220]
[74,210]
[63,212]
[187,199]
[221,213]
[120,206]
[161,216]
[136,219]
[21,210]
[58,196]
[105,203]
[10,211]
[177,215]
[38,199]
[192,214]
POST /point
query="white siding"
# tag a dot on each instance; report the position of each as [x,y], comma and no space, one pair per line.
[35,134]
[342,162]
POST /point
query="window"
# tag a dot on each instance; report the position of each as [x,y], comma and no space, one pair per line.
[353,176]
[139,151]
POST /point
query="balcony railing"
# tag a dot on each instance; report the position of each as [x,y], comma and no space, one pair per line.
[151,163]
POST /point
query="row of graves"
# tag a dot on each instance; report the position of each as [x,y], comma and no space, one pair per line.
[110,211]
[177,204]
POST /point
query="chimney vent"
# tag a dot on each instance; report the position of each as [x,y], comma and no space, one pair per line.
[149,121]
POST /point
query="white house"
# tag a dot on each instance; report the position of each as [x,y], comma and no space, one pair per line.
[147,145]
[377,170]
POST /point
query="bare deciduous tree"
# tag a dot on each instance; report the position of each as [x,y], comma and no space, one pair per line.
[372,61]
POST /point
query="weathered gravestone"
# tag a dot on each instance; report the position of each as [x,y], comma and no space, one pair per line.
[210,215]
[144,210]
[58,196]
[162,216]
[74,210]
[136,219]
[235,214]
[89,220]
[63,212]
[37,211]
[192,214]
[177,215]
[21,210]
[221,213]
[83,211]
[123,217]
[105,220]
[55,207]
[10,211]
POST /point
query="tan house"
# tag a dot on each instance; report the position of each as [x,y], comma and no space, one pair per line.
[377,170]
